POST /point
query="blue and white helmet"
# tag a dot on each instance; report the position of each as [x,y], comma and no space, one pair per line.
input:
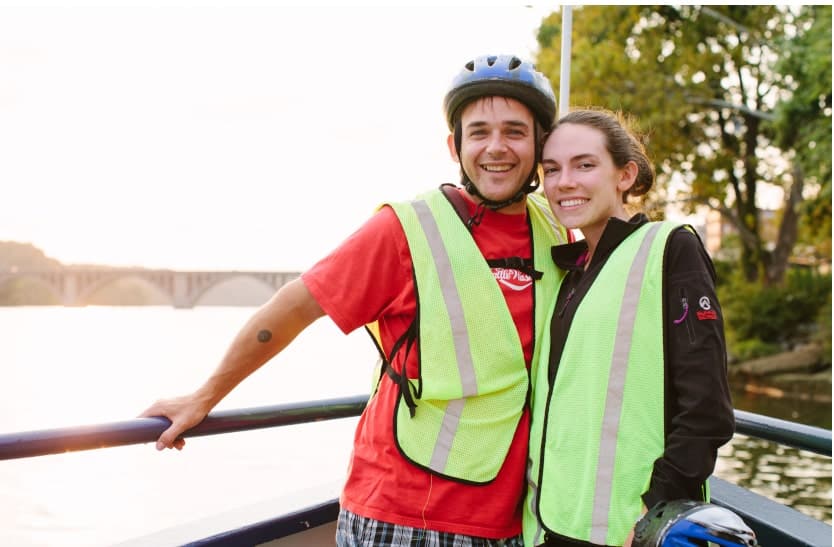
[504,75]
[685,523]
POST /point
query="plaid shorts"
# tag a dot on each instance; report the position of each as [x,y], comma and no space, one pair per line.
[353,530]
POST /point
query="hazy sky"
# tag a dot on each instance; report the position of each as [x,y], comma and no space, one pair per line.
[209,136]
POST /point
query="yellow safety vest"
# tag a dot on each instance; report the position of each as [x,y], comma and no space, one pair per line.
[458,418]
[598,429]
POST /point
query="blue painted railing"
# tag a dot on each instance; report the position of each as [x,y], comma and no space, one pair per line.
[42,442]
[805,437]
[774,523]
[144,430]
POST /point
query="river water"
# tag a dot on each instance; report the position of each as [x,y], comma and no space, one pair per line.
[75,366]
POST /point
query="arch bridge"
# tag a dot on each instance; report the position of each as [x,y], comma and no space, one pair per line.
[73,286]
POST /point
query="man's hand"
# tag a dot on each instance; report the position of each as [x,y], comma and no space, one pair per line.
[266,333]
[184,413]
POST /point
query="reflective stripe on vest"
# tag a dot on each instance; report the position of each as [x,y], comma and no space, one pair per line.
[451,296]
[602,425]
[460,336]
[472,381]
[616,384]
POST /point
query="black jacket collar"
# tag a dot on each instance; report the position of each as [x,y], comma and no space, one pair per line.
[571,256]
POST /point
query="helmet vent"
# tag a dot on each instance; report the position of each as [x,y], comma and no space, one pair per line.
[491,60]
[515,62]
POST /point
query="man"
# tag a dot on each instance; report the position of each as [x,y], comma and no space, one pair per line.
[441,449]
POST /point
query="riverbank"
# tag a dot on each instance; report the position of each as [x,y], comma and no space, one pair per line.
[793,385]
[801,374]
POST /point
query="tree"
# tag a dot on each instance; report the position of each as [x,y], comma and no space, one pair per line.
[801,120]
[707,85]
[16,256]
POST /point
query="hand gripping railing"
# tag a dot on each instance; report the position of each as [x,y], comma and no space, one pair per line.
[145,430]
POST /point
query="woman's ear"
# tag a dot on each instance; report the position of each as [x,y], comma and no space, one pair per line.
[450,142]
[628,176]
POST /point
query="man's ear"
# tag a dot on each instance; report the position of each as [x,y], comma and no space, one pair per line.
[450,142]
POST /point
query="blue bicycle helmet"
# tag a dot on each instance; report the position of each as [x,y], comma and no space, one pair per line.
[685,523]
[505,76]
[501,76]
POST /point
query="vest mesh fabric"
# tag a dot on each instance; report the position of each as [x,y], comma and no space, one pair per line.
[602,425]
[473,379]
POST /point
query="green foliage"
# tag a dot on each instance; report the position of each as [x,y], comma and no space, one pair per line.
[24,256]
[823,334]
[803,122]
[723,272]
[746,350]
[15,257]
[761,319]
[704,83]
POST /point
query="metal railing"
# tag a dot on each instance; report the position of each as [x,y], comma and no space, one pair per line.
[27,444]
[804,437]
[774,523]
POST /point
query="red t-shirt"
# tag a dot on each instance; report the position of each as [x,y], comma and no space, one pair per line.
[369,277]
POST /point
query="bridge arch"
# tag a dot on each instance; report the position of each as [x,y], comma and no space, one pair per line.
[182,289]
[159,295]
[252,290]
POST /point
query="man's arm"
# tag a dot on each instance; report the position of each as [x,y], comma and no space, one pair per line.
[267,333]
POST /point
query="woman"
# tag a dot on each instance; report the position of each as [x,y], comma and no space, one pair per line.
[632,402]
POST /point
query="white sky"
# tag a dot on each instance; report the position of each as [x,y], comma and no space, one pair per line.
[208,136]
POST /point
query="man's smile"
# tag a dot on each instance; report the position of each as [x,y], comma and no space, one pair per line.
[492,168]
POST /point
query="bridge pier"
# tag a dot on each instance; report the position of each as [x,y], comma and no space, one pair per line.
[180,288]
[70,290]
